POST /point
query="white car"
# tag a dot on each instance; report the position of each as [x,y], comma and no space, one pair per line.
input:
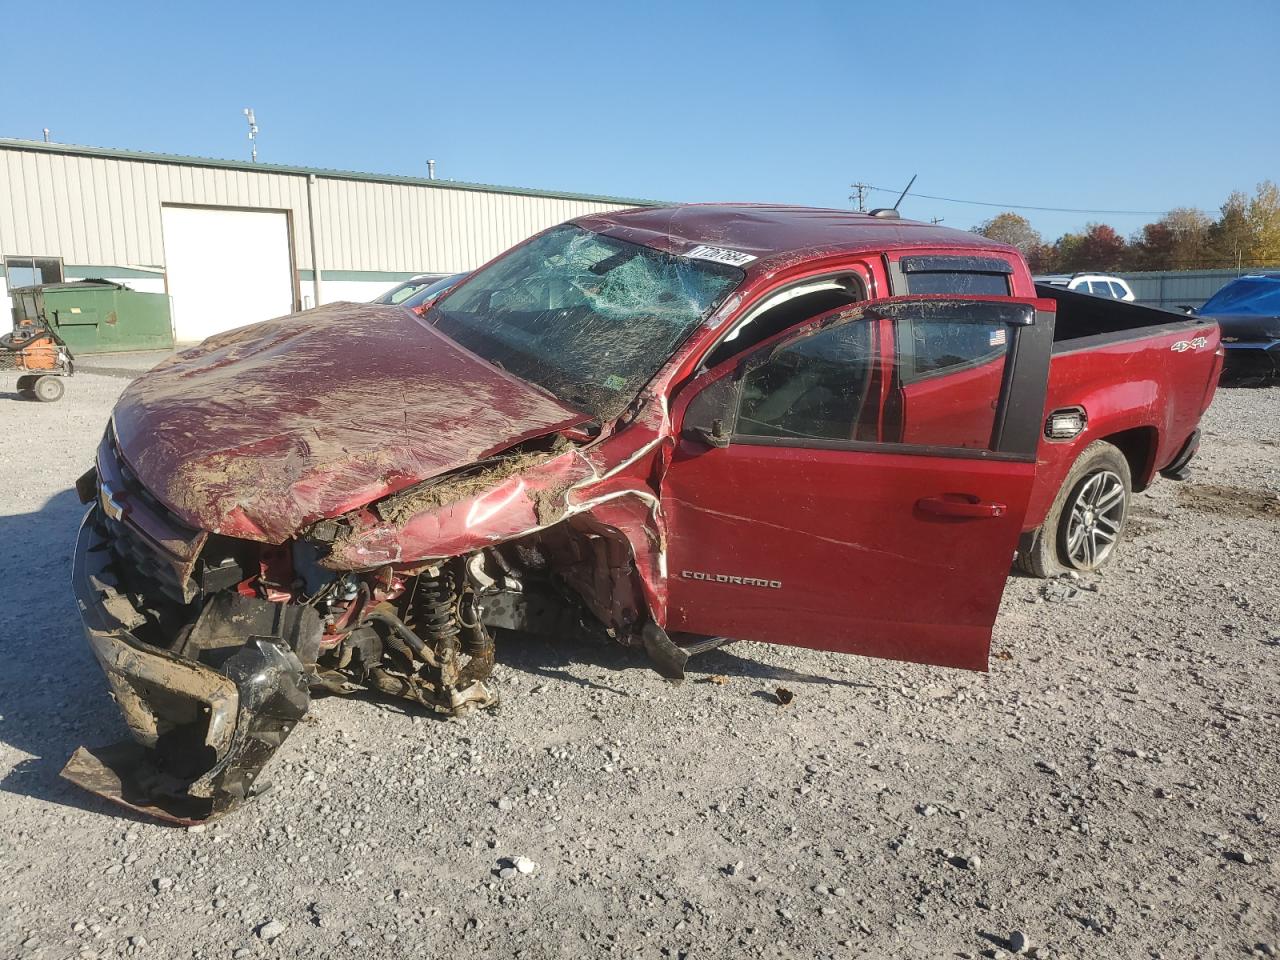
[1099,284]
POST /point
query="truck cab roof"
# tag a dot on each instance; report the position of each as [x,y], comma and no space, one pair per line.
[773,233]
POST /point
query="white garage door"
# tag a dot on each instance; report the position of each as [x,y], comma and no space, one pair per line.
[225,268]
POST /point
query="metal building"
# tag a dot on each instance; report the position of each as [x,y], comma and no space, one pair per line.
[233,243]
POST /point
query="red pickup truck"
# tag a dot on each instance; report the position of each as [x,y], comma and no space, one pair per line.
[668,427]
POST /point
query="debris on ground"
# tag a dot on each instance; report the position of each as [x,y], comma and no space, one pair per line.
[1066,589]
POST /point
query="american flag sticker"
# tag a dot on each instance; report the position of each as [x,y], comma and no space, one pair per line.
[998,338]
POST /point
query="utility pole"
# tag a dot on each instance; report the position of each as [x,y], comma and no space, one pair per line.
[860,194]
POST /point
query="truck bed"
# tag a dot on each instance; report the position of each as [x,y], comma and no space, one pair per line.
[1084,317]
[1125,364]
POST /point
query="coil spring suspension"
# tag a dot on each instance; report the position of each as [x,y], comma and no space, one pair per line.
[438,607]
[435,609]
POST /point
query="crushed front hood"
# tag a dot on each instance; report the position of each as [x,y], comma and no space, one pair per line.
[259,431]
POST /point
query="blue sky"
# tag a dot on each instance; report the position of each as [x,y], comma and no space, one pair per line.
[1133,106]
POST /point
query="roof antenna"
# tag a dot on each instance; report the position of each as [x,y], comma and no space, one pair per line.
[891,213]
[907,190]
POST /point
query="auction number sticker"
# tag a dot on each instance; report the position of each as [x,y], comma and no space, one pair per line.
[734,258]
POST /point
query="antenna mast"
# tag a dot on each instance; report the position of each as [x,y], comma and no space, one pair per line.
[253,133]
[906,190]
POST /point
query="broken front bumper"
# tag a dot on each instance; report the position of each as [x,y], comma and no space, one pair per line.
[203,730]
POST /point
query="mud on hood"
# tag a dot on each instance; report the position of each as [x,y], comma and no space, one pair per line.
[259,431]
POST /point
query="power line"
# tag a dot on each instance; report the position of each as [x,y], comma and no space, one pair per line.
[1025,206]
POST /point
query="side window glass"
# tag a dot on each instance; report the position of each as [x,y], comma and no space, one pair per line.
[949,374]
[922,374]
[1117,291]
[961,283]
[812,389]
[927,347]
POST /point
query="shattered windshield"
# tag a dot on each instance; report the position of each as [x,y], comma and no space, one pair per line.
[587,317]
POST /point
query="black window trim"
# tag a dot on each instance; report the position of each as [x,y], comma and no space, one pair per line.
[949,264]
[870,446]
[943,263]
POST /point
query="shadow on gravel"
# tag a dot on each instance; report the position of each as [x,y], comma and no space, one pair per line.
[728,664]
[553,660]
[53,697]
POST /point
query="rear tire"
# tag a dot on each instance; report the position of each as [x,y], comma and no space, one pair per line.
[48,389]
[1087,520]
[26,382]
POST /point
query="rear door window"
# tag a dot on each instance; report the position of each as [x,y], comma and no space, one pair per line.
[962,276]
[963,282]
[927,347]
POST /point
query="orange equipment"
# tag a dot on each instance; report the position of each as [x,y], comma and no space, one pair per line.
[40,357]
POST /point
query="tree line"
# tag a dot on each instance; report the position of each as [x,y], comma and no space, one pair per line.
[1246,233]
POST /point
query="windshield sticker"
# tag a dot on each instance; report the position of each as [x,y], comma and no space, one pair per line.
[998,338]
[733,258]
[615,382]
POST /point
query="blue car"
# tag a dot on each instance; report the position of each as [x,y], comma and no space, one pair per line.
[1248,312]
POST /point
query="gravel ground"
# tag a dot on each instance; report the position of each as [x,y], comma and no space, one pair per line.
[1109,789]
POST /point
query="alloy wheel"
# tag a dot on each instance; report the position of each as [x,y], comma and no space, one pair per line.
[1096,513]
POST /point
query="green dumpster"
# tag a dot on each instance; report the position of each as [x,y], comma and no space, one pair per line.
[98,316]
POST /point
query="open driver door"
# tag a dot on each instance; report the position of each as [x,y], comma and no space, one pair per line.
[858,483]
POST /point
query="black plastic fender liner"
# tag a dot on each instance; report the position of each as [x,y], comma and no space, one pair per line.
[667,658]
[1179,467]
[273,698]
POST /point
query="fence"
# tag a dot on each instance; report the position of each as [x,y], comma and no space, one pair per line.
[1173,289]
